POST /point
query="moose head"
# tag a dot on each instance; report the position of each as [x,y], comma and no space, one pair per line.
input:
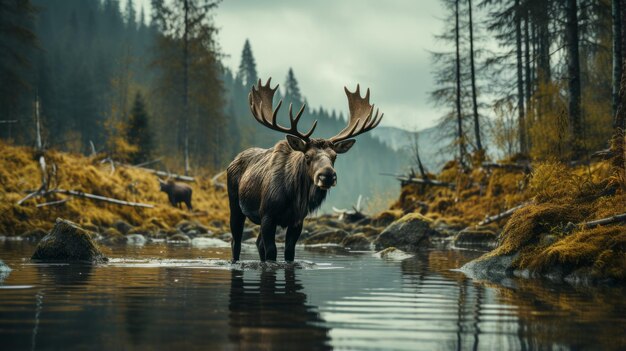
[317,154]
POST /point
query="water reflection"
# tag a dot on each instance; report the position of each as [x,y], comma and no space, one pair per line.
[269,313]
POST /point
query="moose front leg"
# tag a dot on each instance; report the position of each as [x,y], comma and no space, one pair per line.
[293,233]
[268,231]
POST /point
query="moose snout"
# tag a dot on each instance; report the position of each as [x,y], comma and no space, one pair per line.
[326,178]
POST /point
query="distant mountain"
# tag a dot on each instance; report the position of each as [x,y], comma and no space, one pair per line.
[431,144]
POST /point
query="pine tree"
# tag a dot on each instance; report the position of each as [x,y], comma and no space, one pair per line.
[138,131]
[130,15]
[292,90]
[247,73]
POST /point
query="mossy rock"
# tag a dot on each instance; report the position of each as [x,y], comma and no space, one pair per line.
[113,236]
[408,233]
[369,231]
[35,234]
[330,237]
[385,218]
[357,242]
[393,253]
[122,227]
[68,242]
[475,238]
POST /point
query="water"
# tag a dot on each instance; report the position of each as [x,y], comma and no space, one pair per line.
[178,297]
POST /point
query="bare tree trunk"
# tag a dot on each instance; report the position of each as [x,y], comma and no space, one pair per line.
[459,115]
[520,80]
[617,51]
[186,85]
[527,70]
[479,144]
[573,72]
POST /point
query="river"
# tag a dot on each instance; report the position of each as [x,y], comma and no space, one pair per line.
[160,296]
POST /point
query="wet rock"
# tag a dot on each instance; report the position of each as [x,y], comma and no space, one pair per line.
[113,236]
[249,233]
[90,228]
[475,238]
[357,242]
[35,234]
[204,242]
[385,218]
[188,226]
[490,267]
[217,224]
[393,253]
[68,242]
[179,239]
[122,227]
[136,239]
[369,231]
[192,233]
[409,233]
[4,271]
[329,237]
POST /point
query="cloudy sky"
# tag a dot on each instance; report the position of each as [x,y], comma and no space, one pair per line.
[332,43]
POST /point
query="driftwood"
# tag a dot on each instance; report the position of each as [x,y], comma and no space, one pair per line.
[603,154]
[609,220]
[143,164]
[432,182]
[508,166]
[352,215]
[54,203]
[499,216]
[167,174]
[102,198]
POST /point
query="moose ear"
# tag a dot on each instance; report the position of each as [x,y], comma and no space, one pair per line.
[343,146]
[296,143]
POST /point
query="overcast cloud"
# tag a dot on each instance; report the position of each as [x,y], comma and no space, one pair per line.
[381,45]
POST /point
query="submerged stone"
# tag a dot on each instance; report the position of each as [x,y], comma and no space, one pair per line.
[68,242]
[393,253]
[136,239]
[408,233]
[357,241]
[329,237]
[475,238]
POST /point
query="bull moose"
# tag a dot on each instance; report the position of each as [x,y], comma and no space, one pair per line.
[281,185]
[176,192]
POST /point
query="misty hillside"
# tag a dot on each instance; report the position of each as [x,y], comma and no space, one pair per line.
[430,142]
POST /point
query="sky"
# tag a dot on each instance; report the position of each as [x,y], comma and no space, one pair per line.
[331,44]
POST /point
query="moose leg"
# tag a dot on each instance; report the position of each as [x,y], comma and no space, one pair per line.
[268,230]
[237,219]
[259,246]
[293,233]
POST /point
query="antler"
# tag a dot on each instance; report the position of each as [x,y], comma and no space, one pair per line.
[361,119]
[261,98]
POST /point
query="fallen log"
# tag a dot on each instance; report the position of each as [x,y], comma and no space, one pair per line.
[54,203]
[102,198]
[609,220]
[505,214]
[432,182]
[167,174]
[143,164]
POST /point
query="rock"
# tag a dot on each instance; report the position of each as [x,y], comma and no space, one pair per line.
[4,271]
[187,226]
[179,238]
[369,231]
[217,224]
[549,239]
[249,233]
[357,242]
[204,242]
[330,237]
[475,238]
[122,227]
[490,267]
[192,233]
[113,236]
[68,242]
[136,239]
[393,253]
[385,218]
[408,233]
[90,228]
[34,234]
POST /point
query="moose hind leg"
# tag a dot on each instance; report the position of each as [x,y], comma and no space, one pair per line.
[293,233]
[268,230]
[260,247]
[237,219]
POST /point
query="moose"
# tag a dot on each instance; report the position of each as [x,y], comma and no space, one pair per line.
[281,185]
[176,192]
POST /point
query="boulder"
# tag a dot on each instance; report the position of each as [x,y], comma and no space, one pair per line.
[113,236]
[204,242]
[409,233]
[490,267]
[179,238]
[369,231]
[329,237]
[475,238]
[357,242]
[393,253]
[68,242]
[122,227]
[4,271]
[136,239]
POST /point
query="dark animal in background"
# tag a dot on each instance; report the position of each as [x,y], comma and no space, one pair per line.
[177,192]
[281,185]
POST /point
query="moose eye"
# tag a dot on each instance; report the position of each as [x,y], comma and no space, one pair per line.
[307,157]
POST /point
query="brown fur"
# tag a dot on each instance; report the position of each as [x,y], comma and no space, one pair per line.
[177,192]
